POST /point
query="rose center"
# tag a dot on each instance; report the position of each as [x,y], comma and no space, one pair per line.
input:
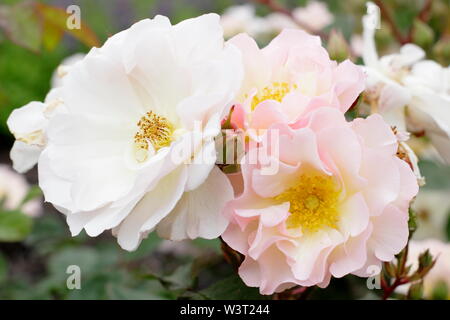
[276,91]
[154,132]
[313,203]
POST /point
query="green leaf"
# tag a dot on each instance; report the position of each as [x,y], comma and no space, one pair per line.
[423,34]
[440,291]
[151,290]
[182,278]
[3,268]
[415,291]
[231,288]
[87,259]
[145,248]
[14,226]
[448,226]
[32,194]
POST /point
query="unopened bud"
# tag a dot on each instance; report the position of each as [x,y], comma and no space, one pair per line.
[423,35]
[415,291]
[337,46]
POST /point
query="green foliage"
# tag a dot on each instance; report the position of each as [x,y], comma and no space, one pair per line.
[447,227]
[231,288]
[440,291]
[14,226]
[3,269]
[437,175]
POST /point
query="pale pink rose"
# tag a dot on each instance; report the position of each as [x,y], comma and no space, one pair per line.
[13,189]
[290,77]
[440,273]
[315,15]
[338,203]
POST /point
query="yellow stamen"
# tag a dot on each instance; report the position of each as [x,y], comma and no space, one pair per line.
[313,203]
[276,91]
[153,129]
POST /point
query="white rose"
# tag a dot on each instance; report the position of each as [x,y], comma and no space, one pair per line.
[110,161]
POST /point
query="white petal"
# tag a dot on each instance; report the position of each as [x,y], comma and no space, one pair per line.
[199,212]
[153,207]
[28,119]
[201,166]
[24,156]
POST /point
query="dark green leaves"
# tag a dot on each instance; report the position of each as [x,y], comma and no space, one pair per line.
[14,226]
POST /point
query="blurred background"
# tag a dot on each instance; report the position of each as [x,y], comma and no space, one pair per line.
[36,247]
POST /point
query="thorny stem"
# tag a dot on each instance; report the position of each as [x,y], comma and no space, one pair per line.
[400,278]
[276,7]
[389,289]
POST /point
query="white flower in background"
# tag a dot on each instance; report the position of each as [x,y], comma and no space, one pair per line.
[410,93]
[315,15]
[28,123]
[277,21]
[433,211]
[13,190]
[111,160]
[439,274]
[243,19]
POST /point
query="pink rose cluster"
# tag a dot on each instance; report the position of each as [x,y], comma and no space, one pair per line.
[338,202]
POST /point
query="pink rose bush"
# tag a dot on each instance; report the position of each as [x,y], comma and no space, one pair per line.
[317,196]
[338,202]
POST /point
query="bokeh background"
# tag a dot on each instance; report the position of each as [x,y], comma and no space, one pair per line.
[33,263]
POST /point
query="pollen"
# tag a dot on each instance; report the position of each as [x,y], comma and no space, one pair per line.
[155,130]
[313,203]
[276,91]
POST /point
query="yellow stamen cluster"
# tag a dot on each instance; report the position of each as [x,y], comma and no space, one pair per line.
[313,203]
[153,129]
[276,91]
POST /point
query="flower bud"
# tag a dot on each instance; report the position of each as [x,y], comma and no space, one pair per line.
[423,35]
[337,46]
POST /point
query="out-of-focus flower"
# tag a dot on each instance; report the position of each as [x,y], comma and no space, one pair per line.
[338,203]
[242,19]
[315,15]
[290,77]
[433,211]
[134,150]
[13,190]
[28,124]
[357,45]
[440,273]
[277,22]
[409,92]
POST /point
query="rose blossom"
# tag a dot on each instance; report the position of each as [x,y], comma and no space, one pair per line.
[290,77]
[411,93]
[134,150]
[337,205]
